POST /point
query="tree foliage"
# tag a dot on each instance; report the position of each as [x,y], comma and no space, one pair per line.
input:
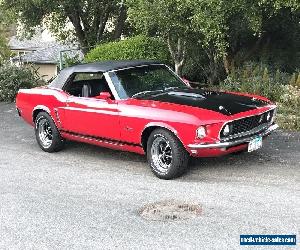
[5,22]
[206,38]
[235,27]
[139,47]
[13,78]
[169,19]
[228,31]
[89,18]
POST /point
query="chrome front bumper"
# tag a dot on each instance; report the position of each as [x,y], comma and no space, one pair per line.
[234,142]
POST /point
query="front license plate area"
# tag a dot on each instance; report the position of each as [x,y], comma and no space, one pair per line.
[255,144]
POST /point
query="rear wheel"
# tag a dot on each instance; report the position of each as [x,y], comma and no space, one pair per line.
[166,155]
[47,134]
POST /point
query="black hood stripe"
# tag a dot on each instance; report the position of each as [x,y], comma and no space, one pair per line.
[224,103]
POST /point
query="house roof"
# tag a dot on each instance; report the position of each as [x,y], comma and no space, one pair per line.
[49,55]
[102,67]
[28,44]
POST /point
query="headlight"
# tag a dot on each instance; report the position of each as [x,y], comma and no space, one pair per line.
[201,132]
[227,130]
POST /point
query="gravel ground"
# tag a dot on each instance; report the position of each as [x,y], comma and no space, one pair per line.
[87,197]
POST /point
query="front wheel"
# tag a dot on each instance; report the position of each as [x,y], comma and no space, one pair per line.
[47,134]
[166,155]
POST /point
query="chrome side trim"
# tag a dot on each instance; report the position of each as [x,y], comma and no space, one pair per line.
[233,143]
[100,140]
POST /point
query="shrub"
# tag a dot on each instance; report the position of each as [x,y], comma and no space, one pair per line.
[288,108]
[138,47]
[278,86]
[257,79]
[12,78]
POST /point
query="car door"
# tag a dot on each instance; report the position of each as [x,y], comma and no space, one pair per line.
[92,117]
[89,116]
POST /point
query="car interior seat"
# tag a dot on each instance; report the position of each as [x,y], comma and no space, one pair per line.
[86,90]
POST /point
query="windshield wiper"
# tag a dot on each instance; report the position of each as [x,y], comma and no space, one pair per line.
[155,91]
[172,88]
[146,92]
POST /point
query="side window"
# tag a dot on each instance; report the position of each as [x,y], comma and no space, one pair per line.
[87,85]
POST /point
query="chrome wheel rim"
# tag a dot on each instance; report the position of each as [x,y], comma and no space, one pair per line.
[161,153]
[45,132]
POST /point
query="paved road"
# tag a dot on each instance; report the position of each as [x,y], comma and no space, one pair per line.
[87,197]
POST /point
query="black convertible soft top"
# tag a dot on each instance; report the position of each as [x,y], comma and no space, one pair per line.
[97,67]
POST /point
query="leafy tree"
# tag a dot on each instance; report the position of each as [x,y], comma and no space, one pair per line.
[89,18]
[169,19]
[238,29]
[4,34]
[4,50]
[228,31]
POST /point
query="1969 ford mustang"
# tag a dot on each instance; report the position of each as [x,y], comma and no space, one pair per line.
[144,107]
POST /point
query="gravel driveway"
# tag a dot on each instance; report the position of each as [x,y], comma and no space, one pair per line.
[86,197]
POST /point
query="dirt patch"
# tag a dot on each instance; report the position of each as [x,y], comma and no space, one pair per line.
[170,211]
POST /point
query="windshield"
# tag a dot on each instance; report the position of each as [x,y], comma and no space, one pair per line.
[144,80]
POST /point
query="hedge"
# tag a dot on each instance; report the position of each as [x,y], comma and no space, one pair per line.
[13,78]
[138,47]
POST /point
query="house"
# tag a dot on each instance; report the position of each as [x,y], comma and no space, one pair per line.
[42,54]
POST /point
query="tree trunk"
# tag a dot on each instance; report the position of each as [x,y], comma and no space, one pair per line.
[80,34]
[226,64]
[120,22]
[178,53]
[178,68]
[102,25]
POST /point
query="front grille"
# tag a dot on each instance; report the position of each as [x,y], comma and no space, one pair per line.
[247,124]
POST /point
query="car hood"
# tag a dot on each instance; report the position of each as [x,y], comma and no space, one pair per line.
[221,102]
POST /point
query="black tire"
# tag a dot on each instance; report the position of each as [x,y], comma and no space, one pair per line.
[47,134]
[166,155]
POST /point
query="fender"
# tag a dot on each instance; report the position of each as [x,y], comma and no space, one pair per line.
[162,125]
[41,107]
[47,110]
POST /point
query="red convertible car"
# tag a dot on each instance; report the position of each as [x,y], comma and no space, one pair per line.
[144,107]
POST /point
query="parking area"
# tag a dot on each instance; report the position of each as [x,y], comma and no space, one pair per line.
[86,197]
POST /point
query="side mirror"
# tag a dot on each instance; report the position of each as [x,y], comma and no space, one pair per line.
[104,96]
